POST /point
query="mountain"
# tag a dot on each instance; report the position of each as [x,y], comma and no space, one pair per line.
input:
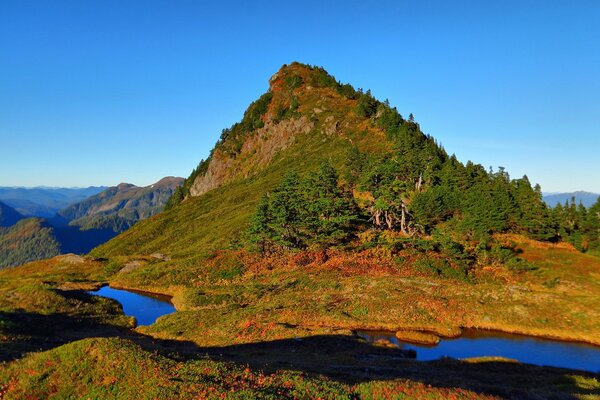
[119,207]
[586,198]
[27,240]
[400,178]
[8,215]
[322,216]
[42,201]
[84,225]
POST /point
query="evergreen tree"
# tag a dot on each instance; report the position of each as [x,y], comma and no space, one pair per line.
[388,207]
[287,213]
[300,213]
[593,226]
[260,232]
[433,206]
[331,211]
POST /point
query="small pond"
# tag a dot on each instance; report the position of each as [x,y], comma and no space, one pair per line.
[481,343]
[145,307]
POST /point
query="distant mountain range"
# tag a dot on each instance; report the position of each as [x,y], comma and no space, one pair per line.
[119,207]
[44,202]
[586,198]
[81,226]
[8,215]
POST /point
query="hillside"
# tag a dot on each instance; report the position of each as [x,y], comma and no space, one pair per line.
[119,207]
[307,118]
[586,198]
[303,119]
[322,213]
[27,240]
[44,202]
[8,215]
[84,225]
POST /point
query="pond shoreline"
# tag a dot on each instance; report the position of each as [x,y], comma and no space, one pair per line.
[444,332]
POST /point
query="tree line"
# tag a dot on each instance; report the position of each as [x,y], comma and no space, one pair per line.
[418,190]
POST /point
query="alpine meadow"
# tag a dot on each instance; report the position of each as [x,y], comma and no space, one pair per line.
[320,219]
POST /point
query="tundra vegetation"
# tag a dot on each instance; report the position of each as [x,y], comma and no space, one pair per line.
[323,211]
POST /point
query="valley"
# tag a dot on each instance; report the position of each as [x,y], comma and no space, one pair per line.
[81,225]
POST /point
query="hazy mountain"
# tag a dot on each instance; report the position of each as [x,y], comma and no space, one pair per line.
[8,215]
[586,198]
[29,239]
[44,201]
[119,207]
[84,225]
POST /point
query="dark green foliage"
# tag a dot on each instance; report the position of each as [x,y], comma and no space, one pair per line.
[346,90]
[354,165]
[434,206]
[367,105]
[484,212]
[578,225]
[232,139]
[331,211]
[441,267]
[383,178]
[320,78]
[592,226]
[300,213]
[260,233]
[183,191]
[29,239]
[388,118]
[287,112]
[176,198]
[293,81]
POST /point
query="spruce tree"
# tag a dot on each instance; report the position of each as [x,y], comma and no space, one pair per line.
[260,231]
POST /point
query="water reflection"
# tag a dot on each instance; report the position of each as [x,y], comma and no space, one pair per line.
[145,307]
[480,343]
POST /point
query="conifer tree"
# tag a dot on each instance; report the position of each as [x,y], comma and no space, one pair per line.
[331,211]
[260,232]
[287,213]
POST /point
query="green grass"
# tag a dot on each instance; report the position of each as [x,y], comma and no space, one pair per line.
[237,307]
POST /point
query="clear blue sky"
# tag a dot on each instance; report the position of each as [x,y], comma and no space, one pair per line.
[101,92]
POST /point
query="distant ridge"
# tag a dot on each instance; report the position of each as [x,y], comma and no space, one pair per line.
[586,198]
[44,201]
[80,227]
[8,215]
[119,207]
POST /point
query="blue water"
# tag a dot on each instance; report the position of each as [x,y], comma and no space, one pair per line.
[526,349]
[146,308]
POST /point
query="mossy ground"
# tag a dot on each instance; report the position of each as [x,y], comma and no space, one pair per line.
[289,320]
[279,326]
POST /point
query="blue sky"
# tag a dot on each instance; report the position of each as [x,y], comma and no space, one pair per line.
[101,92]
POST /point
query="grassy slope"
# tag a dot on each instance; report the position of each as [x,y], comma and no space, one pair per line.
[119,369]
[27,240]
[43,307]
[228,295]
[228,299]
[202,224]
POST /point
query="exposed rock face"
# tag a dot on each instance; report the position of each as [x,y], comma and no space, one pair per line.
[257,150]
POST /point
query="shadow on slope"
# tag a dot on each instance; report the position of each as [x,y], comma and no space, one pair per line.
[339,357]
[74,240]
